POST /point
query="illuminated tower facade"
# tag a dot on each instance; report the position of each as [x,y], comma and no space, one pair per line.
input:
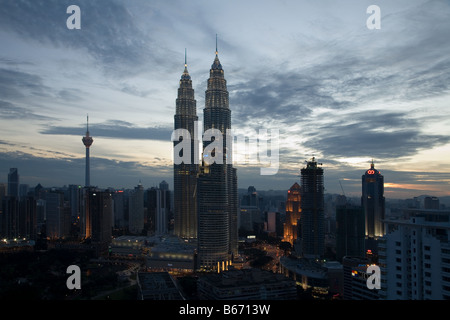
[185,173]
[99,210]
[217,182]
[312,205]
[87,141]
[293,210]
[373,202]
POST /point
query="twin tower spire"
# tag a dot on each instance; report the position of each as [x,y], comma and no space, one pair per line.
[186,75]
[205,197]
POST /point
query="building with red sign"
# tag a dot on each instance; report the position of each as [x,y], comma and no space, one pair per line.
[373,202]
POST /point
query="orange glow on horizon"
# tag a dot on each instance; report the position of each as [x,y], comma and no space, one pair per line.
[418,187]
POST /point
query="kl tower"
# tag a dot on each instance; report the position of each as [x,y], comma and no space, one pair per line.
[87,141]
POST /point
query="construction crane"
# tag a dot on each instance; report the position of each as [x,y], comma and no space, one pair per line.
[342,188]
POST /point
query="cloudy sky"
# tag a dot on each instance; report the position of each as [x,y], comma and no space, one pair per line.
[312,70]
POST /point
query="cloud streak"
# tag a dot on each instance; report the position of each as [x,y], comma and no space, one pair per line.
[381,135]
[113,129]
[9,111]
[17,84]
[108,32]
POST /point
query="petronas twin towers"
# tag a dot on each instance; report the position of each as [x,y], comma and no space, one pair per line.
[205,194]
[185,174]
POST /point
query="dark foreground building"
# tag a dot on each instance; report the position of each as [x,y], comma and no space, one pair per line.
[246,284]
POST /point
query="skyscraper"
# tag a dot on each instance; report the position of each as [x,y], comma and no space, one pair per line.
[414,256]
[87,141]
[373,202]
[217,182]
[252,198]
[119,209]
[185,173]
[158,206]
[3,189]
[28,219]
[10,218]
[13,183]
[101,211]
[162,211]
[56,220]
[96,220]
[312,206]
[163,185]
[136,210]
[349,231]
[431,203]
[75,200]
[293,211]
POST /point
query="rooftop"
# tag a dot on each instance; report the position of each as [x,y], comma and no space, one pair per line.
[158,286]
[244,277]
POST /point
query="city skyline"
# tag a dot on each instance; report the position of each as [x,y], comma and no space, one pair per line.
[335,89]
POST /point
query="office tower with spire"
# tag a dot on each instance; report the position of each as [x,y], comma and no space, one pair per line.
[87,141]
[217,182]
[373,202]
[312,206]
[185,174]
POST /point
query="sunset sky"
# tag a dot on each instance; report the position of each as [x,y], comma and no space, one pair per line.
[312,70]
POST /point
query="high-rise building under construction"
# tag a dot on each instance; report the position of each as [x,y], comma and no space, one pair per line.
[312,205]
